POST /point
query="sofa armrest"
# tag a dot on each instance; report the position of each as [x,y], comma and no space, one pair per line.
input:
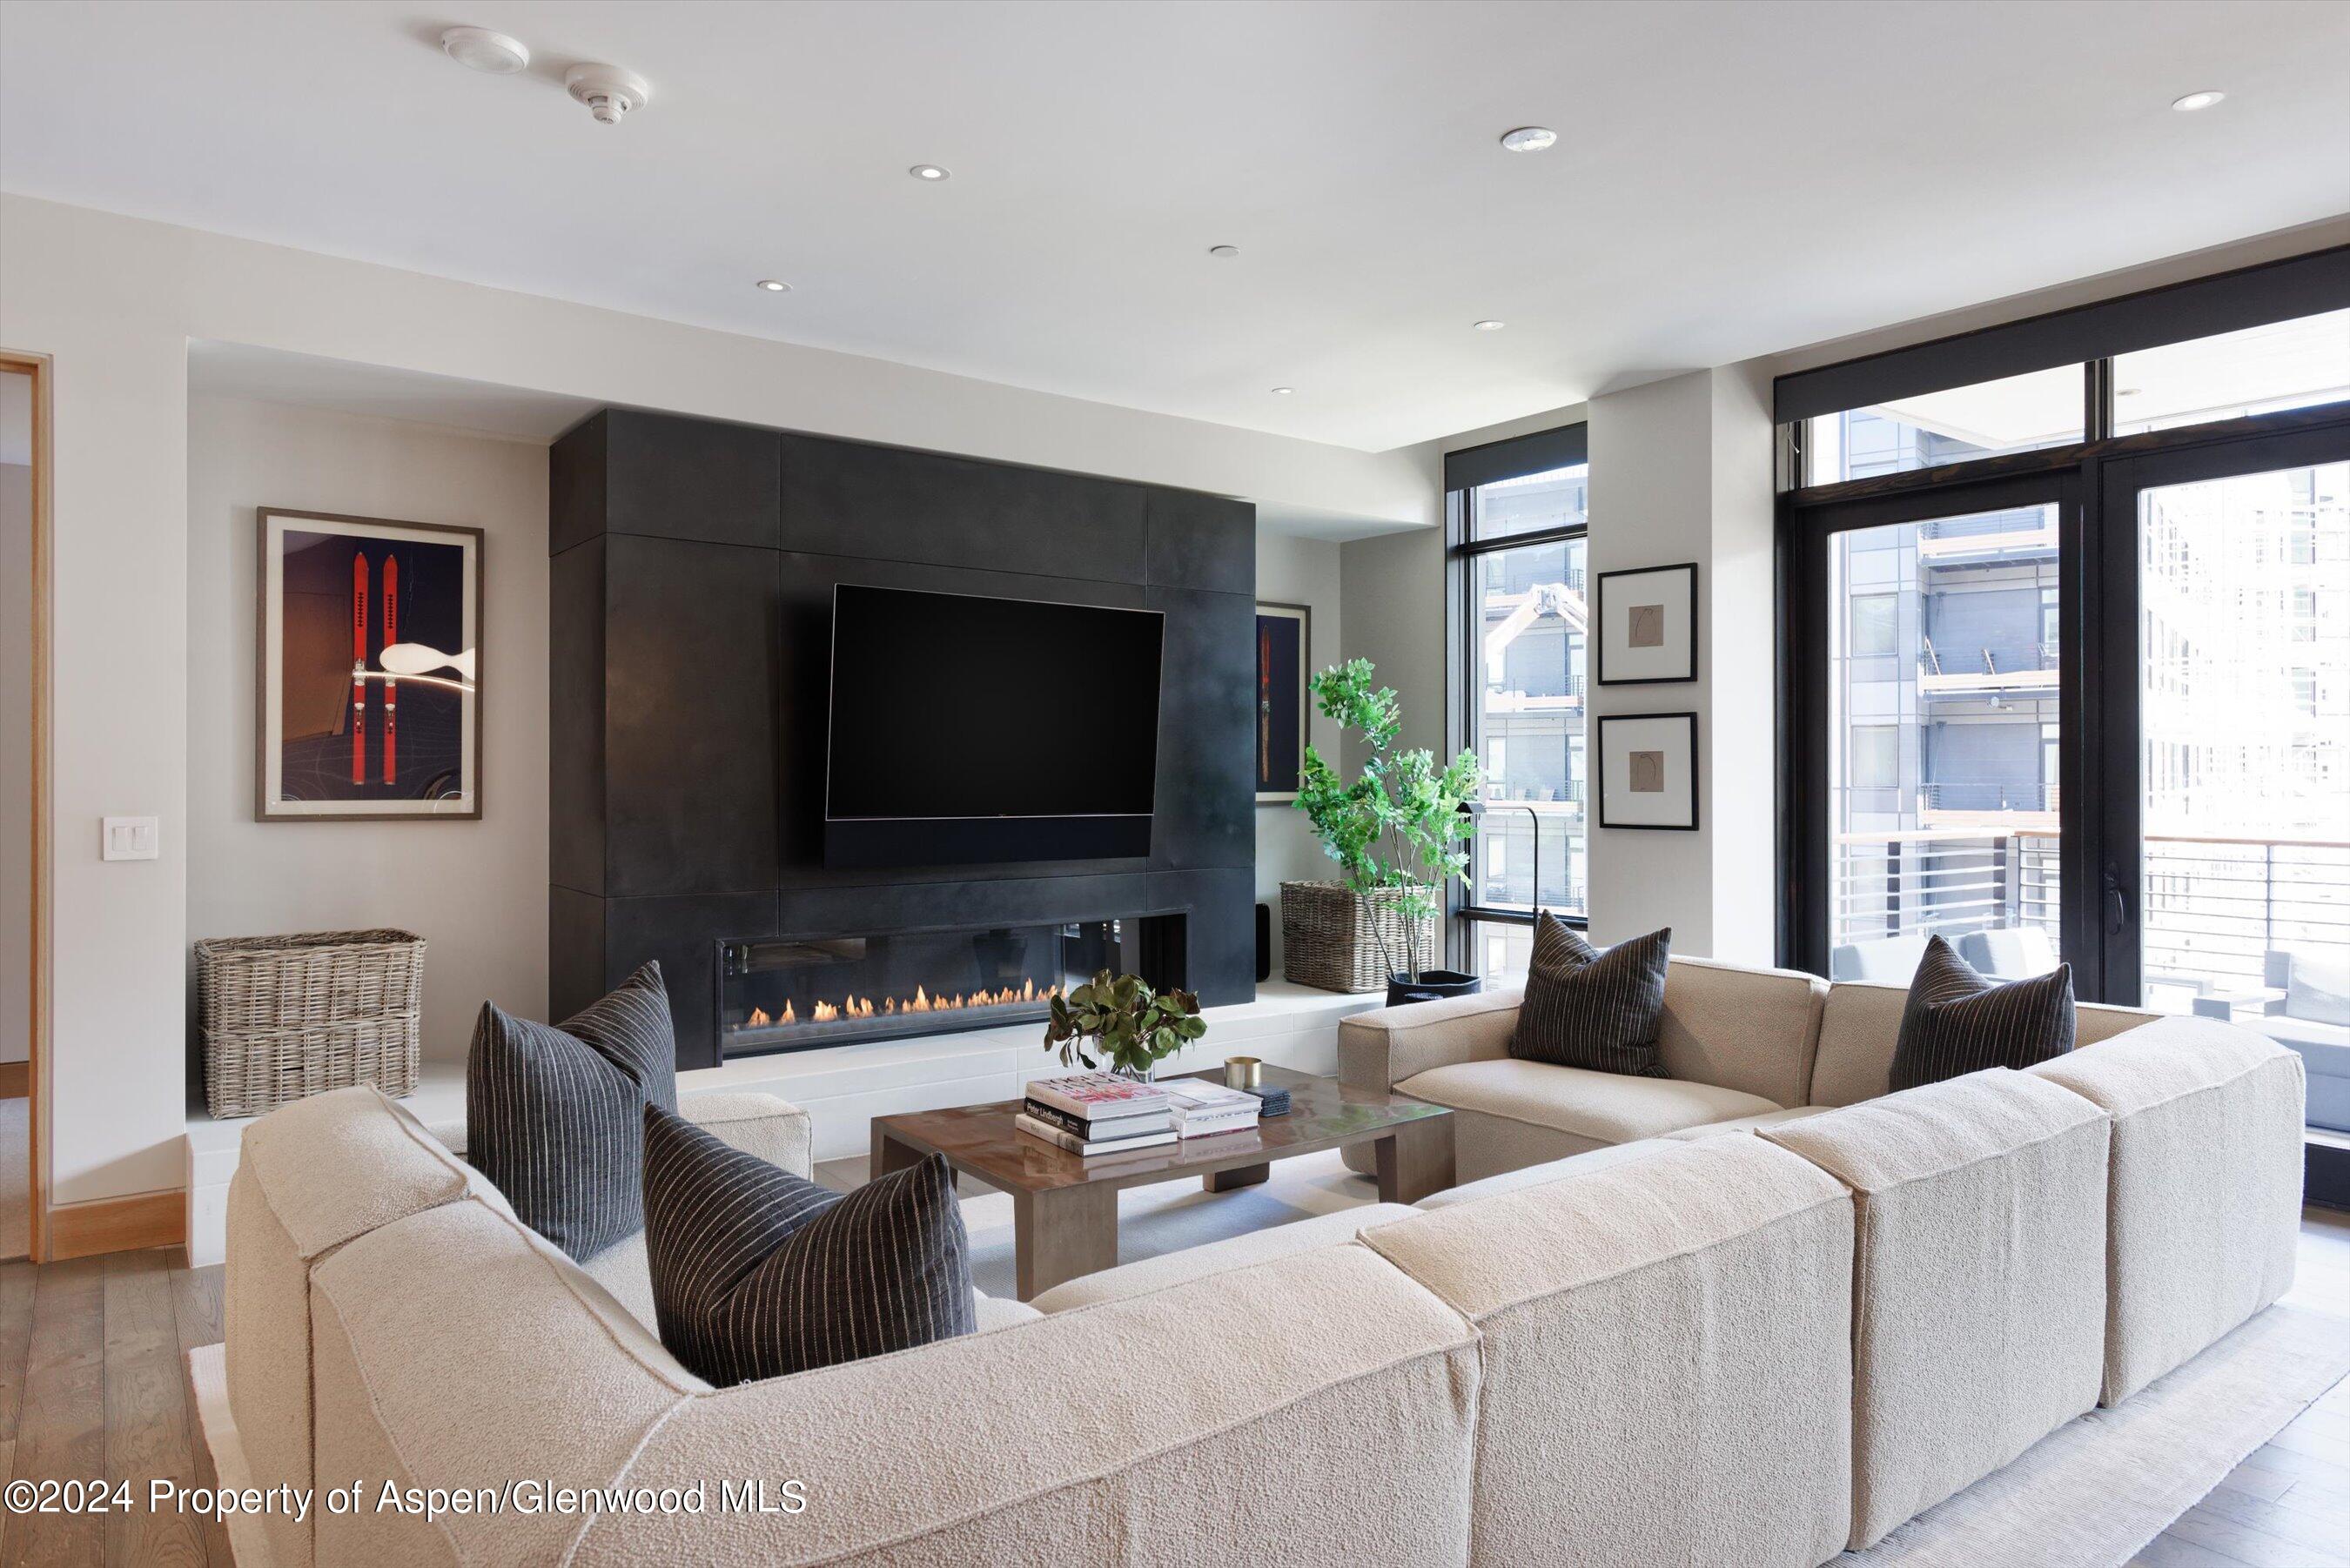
[1381,1048]
[772,1128]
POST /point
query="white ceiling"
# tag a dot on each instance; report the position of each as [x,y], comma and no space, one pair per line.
[1733,178]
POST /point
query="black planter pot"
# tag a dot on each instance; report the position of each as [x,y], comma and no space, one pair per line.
[1433,985]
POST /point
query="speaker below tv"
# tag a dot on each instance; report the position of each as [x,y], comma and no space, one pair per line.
[967,730]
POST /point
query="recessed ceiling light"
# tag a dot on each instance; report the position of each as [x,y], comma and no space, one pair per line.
[926,172]
[1530,138]
[2195,100]
[1226,252]
[478,48]
[775,285]
[1491,326]
[1284,391]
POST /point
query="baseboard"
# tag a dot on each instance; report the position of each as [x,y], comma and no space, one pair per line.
[118,1224]
[15,1080]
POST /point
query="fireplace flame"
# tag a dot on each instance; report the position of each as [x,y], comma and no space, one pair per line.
[855,1007]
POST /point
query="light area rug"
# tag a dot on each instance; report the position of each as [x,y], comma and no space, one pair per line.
[2094,1490]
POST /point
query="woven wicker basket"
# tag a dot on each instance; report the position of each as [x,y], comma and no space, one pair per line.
[284,1017]
[1326,941]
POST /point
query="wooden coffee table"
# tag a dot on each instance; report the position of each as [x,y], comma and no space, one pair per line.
[1065,1207]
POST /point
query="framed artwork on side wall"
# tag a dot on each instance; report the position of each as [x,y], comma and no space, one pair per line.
[369,678]
[1648,771]
[1648,626]
[1284,644]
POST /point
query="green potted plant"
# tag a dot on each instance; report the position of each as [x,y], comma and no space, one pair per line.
[1395,830]
[1122,1024]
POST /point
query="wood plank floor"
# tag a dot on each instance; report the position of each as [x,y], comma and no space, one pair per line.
[93,1384]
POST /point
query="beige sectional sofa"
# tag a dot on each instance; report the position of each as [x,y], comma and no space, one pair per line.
[1643,1352]
[1744,1048]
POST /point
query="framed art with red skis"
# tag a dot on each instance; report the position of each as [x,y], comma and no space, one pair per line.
[369,678]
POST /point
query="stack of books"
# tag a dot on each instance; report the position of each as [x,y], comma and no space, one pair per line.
[1202,1107]
[1096,1113]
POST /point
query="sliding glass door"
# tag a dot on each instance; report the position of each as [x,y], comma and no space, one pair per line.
[2225,707]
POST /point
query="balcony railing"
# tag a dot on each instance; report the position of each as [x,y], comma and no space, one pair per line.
[2213,908]
[1997,533]
[1894,885]
[2216,907]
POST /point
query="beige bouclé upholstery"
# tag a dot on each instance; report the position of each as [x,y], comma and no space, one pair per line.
[1304,1431]
[283,1215]
[1593,1109]
[457,1348]
[2205,1205]
[1519,1177]
[1752,1030]
[1667,1350]
[1216,1257]
[1979,1277]
[1861,1022]
[324,1170]
[1736,1042]
[1745,1123]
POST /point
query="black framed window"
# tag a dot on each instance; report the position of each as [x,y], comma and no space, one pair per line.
[1518,581]
[2092,573]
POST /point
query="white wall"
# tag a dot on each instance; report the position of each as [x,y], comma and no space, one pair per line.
[1394,608]
[1681,471]
[116,302]
[476,891]
[15,753]
[1295,571]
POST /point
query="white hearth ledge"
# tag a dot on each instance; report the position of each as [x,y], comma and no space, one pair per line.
[843,1087]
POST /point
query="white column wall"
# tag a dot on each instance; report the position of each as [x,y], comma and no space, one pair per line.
[1681,471]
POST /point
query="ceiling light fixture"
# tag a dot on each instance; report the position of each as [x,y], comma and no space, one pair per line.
[928,172]
[1491,326]
[1530,138]
[775,285]
[609,91]
[2195,100]
[479,50]
[1225,252]
[1284,391]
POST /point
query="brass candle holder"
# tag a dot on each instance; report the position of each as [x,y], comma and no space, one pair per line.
[1243,1073]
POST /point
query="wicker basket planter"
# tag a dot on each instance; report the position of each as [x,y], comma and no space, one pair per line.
[1326,938]
[284,1017]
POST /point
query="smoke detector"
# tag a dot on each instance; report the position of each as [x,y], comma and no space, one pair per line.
[609,91]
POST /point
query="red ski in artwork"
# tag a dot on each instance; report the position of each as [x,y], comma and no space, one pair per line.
[391,687]
[358,668]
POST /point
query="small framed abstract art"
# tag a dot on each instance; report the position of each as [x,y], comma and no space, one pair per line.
[369,680]
[1648,771]
[1647,634]
[1285,643]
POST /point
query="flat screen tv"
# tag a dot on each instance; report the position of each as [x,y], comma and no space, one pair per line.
[967,729]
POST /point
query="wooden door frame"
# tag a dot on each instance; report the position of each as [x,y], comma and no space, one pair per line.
[37,367]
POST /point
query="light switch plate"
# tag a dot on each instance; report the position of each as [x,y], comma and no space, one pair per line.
[131,838]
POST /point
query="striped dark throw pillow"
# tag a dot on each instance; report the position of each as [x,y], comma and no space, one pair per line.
[1957,1021]
[758,1273]
[554,1112]
[1585,1008]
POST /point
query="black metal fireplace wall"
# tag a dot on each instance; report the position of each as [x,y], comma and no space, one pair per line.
[694,563]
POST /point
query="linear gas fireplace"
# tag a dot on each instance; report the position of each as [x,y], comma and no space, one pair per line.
[791,993]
